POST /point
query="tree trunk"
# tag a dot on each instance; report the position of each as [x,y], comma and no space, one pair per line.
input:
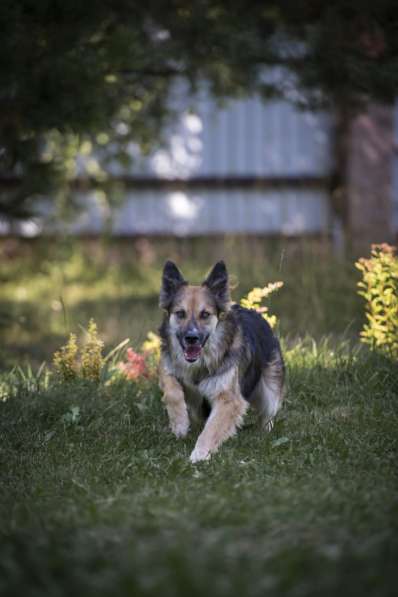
[368,178]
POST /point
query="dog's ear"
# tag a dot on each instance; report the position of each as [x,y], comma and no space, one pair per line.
[172,280]
[217,283]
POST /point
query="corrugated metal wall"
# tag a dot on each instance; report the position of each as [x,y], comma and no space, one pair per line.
[243,139]
[198,212]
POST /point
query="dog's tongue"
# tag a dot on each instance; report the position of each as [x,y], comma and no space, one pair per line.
[192,352]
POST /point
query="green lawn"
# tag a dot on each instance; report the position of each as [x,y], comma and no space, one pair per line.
[98,498]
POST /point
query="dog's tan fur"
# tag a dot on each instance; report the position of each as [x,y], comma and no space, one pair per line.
[173,397]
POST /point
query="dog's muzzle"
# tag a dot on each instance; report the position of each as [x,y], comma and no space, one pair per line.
[192,344]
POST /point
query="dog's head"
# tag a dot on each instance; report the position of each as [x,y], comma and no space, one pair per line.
[194,311]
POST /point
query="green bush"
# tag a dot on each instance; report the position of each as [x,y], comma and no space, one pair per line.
[379,287]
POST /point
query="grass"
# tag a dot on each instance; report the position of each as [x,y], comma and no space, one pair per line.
[48,289]
[99,499]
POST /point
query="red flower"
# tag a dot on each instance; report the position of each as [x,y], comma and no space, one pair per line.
[135,367]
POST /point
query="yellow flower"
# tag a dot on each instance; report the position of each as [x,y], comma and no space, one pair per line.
[152,344]
[255,297]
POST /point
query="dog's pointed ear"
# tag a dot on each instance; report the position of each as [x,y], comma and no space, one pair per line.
[217,283]
[172,280]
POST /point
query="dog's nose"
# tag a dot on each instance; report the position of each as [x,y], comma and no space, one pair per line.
[191,337]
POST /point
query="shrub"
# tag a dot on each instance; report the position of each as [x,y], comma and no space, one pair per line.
[379,287]
[65,359]
[69,366]
[91,354]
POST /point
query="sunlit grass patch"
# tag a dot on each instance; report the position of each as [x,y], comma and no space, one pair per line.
[49,289]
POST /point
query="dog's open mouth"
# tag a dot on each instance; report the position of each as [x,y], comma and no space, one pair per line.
[192,352]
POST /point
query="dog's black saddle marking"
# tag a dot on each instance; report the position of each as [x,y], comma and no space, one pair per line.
[206,409]
[260,343]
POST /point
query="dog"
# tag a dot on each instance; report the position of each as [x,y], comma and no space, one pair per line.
[217,358]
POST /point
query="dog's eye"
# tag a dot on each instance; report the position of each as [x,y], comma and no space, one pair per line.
[180,314]
[204,315]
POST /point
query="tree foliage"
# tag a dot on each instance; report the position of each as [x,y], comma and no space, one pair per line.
[71,71]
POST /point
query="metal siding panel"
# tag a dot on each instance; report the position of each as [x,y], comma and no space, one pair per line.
[247,137]
[211,146]
[294,141]
[241,140]
[287,211]
[222,142]
[249,133]
[203,111]
[271,153]
[281,115]
[234,138]
[288,142]
[258,114]
[304,150]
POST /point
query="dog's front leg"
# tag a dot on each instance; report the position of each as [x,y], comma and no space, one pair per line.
[226,416]
[173,398]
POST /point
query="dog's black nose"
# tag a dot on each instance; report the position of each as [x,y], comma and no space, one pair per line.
[191,338]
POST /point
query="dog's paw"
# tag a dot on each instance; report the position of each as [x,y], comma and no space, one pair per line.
[199,455]
[180,429]
[268,425]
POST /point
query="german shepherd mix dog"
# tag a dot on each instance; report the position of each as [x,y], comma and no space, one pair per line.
[216,359]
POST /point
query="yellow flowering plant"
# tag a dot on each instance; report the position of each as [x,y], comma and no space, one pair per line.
[379,287]
[91,354]
[254,299]
[65,359]
[69,365]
